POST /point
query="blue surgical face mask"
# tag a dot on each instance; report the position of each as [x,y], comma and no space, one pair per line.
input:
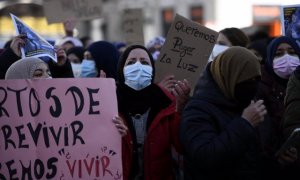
[138,76]
[88,68]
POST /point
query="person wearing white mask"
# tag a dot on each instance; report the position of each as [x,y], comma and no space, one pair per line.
[75,56]
[228,37]
[152,115]
[282,59]
[218,49]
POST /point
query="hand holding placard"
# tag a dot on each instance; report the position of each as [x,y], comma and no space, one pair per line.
[186,51]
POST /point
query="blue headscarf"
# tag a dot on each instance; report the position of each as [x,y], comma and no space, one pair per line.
[106,57]
[271,51]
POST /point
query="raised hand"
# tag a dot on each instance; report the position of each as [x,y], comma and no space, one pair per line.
[255,113]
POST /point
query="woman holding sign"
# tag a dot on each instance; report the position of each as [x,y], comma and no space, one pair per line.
[151,114]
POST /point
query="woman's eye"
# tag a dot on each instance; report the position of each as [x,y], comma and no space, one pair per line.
[145,63]
[38,75]
[130,62]
[278,54]
[292,52]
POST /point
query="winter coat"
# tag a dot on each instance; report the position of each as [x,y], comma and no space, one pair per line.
[292,104]
[218,142]
[162,136]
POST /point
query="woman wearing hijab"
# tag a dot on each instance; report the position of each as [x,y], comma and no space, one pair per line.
[219,121]
[282,59]
[100,57]
[28,68]
[151,114]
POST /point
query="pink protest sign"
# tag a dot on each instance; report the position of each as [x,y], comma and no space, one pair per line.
[59,129]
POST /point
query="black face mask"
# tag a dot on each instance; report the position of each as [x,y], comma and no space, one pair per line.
[245,91]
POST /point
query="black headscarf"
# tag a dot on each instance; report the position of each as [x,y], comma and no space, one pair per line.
[105,56]
[137,102]
[123,58]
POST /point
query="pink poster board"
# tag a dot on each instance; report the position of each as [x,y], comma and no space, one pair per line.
[59,129]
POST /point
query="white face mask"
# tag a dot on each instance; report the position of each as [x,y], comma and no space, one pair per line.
[76,69]
[218,49]
[284,66]
[138,76]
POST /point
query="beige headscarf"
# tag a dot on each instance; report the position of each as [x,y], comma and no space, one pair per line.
[23,68]
[233,66]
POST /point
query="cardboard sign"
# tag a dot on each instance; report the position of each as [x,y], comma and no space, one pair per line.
[290,20]
[61,10]
[59,129]
[35,45]
[186,51]
[132,25]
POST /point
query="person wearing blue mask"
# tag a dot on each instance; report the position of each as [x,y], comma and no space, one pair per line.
[101,60]
[88,66]
[152,115]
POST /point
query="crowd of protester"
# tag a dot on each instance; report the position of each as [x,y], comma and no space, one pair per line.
[243,108]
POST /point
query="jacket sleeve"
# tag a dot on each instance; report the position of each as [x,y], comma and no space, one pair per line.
[206,144]
[64,71]
[291,116]
[7,58]
[175,123]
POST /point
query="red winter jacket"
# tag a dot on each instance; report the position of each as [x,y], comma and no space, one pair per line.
[163,134]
